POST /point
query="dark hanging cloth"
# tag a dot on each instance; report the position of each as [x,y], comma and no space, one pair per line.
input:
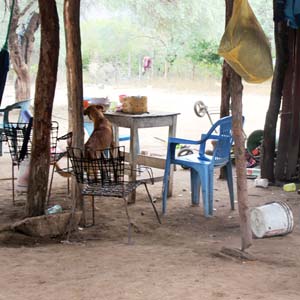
[279,14]
[4,66]
[288,10]
[26,140]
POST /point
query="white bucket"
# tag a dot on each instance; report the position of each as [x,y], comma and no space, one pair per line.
[275,218]
[23,176]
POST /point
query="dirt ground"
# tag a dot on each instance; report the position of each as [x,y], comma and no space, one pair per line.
[179,259]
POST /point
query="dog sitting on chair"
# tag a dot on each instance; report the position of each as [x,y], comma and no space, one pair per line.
[102,135]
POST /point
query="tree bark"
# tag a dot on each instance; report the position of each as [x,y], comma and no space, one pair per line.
[288,147]
[236,91]
[269,139]
[21,46]
[43,104]
[225,90]
[232,88]
[74,81]
[225,84]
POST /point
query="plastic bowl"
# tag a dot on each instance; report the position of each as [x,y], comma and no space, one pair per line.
[100,101]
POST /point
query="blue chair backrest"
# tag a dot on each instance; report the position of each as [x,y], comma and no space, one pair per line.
[221,132]
[24,114]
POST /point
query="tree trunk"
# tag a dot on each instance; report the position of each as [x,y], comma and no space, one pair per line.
[225,90]
[74,80]
[232,88]
[129,66]
[225,85]
[269,140]
[288,148]
[43,103]
[21,46]
[166,70]
[226,71]
[140,67]
[236,91]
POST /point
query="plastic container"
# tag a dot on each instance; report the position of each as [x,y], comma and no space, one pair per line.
[271,219]
[253,172]
[291,187]
[261,182]
[54,210]
[86,103]
[121,98]
[23,176]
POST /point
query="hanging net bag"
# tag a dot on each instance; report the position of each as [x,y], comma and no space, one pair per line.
[245,46]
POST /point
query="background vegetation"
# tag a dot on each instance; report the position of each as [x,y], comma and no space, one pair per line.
[181,37]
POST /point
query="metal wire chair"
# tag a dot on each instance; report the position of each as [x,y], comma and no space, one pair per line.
[104,176]
[23,116]
[18,136]
[55,155]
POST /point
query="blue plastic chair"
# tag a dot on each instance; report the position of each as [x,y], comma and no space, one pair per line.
[202,165]
[23,117]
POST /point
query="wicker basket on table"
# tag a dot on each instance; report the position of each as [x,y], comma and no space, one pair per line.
[135,104]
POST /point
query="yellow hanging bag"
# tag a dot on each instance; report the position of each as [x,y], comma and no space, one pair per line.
[245,46]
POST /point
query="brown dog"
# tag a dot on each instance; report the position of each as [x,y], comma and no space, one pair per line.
[102,136]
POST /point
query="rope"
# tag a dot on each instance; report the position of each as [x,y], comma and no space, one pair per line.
[5,46]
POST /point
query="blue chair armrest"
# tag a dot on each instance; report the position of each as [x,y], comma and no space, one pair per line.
[173,140]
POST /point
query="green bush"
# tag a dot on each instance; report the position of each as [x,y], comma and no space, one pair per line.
[205,52]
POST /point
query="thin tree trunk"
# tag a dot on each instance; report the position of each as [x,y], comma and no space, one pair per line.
[225,84]
[226,70]
[281,169]
[140,67]
[21,47]
[153,64]
[129,65]
[232,88]
[166,72]
[74,80]
[295,122]
[236,92]
[43,104]
[269,140]
[225,90]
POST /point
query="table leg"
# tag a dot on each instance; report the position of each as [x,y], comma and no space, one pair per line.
[134,149]
[172,133]
[116,135]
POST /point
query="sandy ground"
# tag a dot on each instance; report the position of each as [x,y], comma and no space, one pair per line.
[179,259]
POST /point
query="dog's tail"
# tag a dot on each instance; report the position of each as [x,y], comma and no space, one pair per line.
[61,172]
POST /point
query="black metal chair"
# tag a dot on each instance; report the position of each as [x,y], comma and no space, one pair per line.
[104,176]
[23,115]
[18,136]
[56,155]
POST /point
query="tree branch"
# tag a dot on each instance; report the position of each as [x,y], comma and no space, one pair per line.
[27,7]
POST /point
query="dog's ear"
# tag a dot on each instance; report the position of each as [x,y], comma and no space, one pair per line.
[85,111]
[99,106]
